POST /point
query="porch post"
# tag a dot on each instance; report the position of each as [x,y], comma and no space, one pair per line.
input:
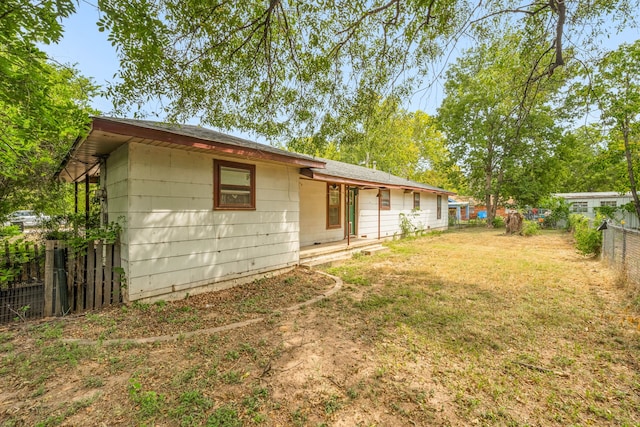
[75,193]
[379,203]
[87,206]
[347,212]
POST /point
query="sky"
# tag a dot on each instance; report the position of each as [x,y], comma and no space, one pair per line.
[94,56]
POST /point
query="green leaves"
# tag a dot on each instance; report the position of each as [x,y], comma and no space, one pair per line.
[43,107]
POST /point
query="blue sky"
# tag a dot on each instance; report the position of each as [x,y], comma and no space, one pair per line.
[91,52]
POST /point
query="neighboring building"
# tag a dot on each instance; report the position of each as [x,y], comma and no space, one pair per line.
[202,210]
[587,204]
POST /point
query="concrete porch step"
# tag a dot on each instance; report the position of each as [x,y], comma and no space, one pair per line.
[336,254]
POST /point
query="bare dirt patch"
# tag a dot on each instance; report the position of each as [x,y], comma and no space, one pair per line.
[471,328]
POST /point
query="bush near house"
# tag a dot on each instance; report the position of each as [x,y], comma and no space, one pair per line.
[588,240]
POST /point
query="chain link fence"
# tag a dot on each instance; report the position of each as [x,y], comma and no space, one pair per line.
[621,249]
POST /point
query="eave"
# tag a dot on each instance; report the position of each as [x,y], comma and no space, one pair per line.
[107,135]
[319,176]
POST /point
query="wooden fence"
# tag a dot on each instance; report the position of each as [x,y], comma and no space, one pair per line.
[79,280]
[58,279]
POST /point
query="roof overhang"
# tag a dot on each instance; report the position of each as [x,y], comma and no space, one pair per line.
[107,136]
[319,176]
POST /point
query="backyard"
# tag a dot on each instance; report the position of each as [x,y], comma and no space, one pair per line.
[459,328]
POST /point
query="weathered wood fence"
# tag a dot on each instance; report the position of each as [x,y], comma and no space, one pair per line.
[58,279]
[79,280]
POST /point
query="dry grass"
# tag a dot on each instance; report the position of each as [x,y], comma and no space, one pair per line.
[466,328]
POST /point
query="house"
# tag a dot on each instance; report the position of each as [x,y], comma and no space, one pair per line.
[588,203]
[201,210]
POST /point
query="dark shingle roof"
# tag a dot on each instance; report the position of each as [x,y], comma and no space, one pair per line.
[359,173]
[207,135]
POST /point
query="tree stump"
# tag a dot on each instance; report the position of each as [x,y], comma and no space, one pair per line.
[514,223]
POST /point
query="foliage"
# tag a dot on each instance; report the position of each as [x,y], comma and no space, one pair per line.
[44,106]
[408,224]
[530,228]
[501,131]
[615,91]
[286,64]
[588,164]
[559,209]
[14,255]
[498,222]
[10,230]
[384,137]
[587,239]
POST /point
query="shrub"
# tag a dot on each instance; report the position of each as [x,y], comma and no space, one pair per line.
[530,228]
[498,222]
[588,240]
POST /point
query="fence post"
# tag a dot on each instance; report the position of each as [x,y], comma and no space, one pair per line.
[98,275]
[117,273]
[108,275]
[91,271]
[62,300]
[48,278]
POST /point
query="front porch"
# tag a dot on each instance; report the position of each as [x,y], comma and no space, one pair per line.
[342,249]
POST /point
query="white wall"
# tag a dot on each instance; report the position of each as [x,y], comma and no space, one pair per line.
[313,214]
[401,202]
[117,198]
[177,242]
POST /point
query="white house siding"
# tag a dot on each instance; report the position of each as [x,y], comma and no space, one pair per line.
[313,214]
[117,196]
[178,243]
[596,199]
[401,202]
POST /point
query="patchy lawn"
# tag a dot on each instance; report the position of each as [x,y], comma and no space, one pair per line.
[463,328]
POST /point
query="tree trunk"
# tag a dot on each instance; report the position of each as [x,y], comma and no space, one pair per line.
[632,179]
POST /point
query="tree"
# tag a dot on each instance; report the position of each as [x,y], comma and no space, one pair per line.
[281,66]
[388,138]
[43,107]
[615,90]
[588,164]
[499,129]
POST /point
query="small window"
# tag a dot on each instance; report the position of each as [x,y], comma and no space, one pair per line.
[385,199]
[234,185]
[611,203]
[416,200]
[439,207]
[580,207]
[333,206]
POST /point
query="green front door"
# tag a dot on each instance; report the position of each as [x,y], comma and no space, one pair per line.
[353,193]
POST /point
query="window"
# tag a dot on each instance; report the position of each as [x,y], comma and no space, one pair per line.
[416,200]
[384,199]
[580,207]
[439,207]
[611,203]
[333,206]
[234,185]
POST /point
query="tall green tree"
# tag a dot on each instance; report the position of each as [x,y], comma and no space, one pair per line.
[500,128]
[615,90]
[588,164]
[282,65]
[388,138]
[43,106]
